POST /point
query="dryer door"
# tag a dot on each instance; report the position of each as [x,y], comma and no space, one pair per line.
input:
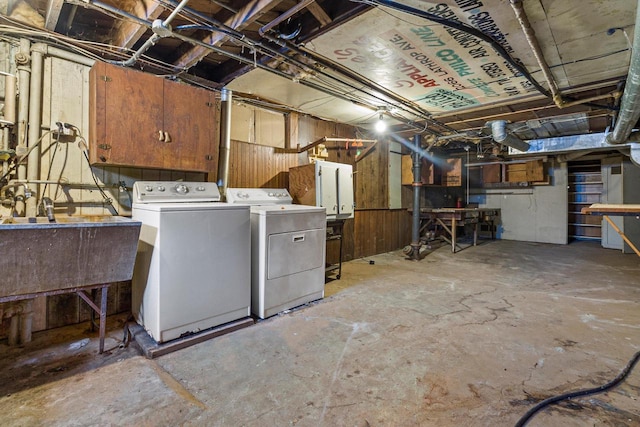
[293,252]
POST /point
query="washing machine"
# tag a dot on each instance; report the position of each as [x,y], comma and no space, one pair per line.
[287,250]
[193,264]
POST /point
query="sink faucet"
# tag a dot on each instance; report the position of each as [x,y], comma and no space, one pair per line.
[48,208]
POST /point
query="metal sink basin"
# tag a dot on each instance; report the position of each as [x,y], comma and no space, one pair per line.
[37,255]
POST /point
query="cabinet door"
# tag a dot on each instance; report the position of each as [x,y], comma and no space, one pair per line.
[126,117]
[327,187]
[345,190]
[190,122]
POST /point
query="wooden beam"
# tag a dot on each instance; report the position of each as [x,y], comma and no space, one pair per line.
[53,14]
[318,12]
[247,15]
[128,32]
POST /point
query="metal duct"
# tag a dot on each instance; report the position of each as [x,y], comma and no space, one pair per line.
[417,185]
[630,103]
[501,136]
[225,140]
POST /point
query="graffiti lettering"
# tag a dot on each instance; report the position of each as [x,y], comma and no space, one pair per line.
[431,65]
[467,5]
[479,52]
[399,41]
[448,100]
[465,40]
[483,86]
[493,70]
[427,35]
[455,62]
[485,23]
[454,84]
[443,11]
[414,73]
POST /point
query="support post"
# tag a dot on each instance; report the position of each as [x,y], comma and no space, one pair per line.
[417,185]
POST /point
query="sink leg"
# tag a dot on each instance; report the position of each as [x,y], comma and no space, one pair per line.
[13,330]
[26,321]
[103,315]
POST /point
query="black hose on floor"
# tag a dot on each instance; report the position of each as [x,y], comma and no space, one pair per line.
[555,399]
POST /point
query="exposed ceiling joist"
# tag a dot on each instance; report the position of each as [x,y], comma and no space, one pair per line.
[318,12]
[53,14]
[247,15]
[127,33]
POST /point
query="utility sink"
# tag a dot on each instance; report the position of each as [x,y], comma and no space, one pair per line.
[37,255]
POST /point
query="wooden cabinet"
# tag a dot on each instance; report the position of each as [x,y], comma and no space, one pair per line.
[446,172]
[141,120]
[532,171]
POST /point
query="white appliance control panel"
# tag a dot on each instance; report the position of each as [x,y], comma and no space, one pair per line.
[174,191]
[259,196]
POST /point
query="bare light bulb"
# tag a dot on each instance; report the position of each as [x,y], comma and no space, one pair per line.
[381,126]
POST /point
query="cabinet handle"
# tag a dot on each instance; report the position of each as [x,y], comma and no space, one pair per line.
[167,137]
[160,136]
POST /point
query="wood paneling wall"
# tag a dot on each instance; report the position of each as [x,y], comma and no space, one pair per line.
[253,166]
[371,232]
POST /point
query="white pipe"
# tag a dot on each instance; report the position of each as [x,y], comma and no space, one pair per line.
[24,73]
[35,123]
[225,140]
[10,98]
[9,111]
[62,54]
[161,28]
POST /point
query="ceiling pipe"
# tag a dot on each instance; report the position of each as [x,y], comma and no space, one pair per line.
[630,103]
[502,136]
[286,15]
[160,29]
[402,103]
[530,36]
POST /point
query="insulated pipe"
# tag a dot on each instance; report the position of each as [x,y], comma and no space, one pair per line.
[417,185]
[9,115]
[35,122]
[24,74]
[630,103]
[47,50]
[530,36]
[225,140]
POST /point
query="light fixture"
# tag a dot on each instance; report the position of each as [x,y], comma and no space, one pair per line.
[381,125]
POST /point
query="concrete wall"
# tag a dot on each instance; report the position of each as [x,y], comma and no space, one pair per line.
[533,214]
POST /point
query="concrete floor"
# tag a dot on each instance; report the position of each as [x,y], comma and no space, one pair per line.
[468,339]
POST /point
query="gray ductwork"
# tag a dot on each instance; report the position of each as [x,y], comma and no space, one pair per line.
[502,136]
[630,103]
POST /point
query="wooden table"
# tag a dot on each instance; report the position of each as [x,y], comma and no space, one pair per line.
[607,210]
[450,218]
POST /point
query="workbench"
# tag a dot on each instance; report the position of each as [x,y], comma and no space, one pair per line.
[607,210]
[450,218]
